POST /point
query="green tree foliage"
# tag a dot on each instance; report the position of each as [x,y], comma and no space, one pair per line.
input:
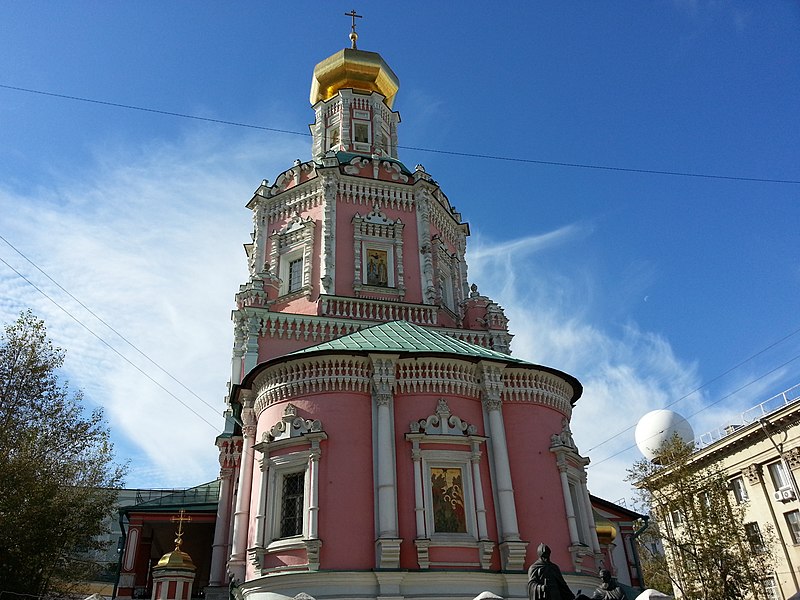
[57,469]
[707,553]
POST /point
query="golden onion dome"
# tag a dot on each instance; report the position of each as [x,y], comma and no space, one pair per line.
[356,69]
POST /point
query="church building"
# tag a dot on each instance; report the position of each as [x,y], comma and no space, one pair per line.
[382,440]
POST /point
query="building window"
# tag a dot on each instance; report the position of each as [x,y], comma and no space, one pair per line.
[754,538]
[677,518]
[771,588]
[793,521]
[739,491]
[292,504]
[780,478]
[295,274]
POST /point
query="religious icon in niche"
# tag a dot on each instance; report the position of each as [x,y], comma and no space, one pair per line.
[361,133]
[333,136]
[447,489]
[377,268]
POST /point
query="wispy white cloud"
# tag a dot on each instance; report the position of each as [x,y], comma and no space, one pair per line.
[625,371]
[151,240]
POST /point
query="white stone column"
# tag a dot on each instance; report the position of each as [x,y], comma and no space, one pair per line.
[584,493]
[512,548]
[217,576]
[241,517]
[261,515]
[505,488]
[574,538]
[480,508]
[387,543]
[419,506]
[313,492]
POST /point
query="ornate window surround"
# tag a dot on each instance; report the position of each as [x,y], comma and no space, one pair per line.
[445,428]
[294,241]
[303,436]
[376,231]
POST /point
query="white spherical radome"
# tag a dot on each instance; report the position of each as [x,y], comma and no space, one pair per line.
[657,427]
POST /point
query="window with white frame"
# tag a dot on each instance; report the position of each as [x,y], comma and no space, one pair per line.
[287,500]
[779,476]
[677,518]
[292,504]
[287,514]
[378,253]
[739,490]
[295,268]
[793,522]
[291,253]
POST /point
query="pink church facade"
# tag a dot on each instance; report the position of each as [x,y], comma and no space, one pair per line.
[387,444]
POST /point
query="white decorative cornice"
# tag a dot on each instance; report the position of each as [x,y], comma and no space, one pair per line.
[383,376]
[540,387]
[304,376]
[437,375]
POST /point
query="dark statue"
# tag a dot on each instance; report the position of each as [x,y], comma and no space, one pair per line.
[545,581]
[608,590]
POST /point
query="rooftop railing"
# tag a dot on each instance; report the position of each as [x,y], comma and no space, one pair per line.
[751,415]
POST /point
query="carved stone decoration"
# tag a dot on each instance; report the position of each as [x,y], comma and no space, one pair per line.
[564,438]
[388,553]
[443,423]
[377,217]
[291,426]
[355,166]
[312,552]
[423,200]
[486,552]
[793,458]
[423,553]
[753,474]
[383,376]
[330,188]
[492,385]
[395,171]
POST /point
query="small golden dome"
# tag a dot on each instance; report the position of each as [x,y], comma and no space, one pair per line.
[606,532]
[177,559]
[356,69]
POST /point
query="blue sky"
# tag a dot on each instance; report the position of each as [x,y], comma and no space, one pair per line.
[644,286]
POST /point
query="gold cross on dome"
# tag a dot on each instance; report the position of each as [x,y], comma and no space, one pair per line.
[180,519]
[354,16]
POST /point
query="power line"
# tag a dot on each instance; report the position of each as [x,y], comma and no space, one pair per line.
[710,404]
[700,387]
[517,159]
[109,346]
[91,312]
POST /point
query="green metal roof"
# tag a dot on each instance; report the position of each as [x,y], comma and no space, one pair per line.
[402,336]
[199,498]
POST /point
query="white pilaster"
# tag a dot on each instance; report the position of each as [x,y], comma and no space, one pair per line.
[241,516]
